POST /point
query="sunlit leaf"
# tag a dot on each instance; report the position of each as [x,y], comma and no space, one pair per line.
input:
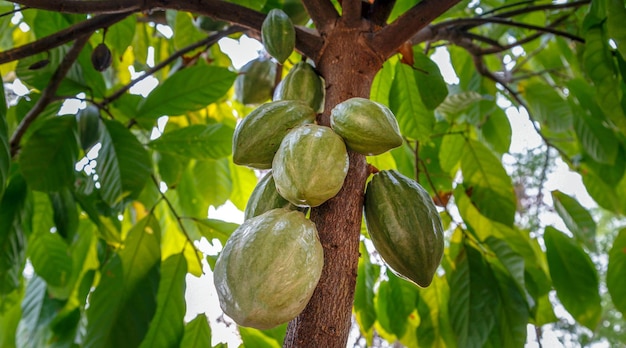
[616,272]
[577,219]
[434,329]
[51,149]
[10,317]
[450,151]
[255,338]
[197,333]
[185,33]
[575,277]
[212,228]
[120,35]
[196,142]
[244,181]
[186,90]
[212,180]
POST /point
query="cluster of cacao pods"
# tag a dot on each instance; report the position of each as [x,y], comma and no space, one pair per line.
[271,264]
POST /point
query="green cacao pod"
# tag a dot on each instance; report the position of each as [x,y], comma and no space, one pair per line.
[302,83]
[255,82]
[404,226]
[368,127]
[268,269]
[278,35]
[310,165]
[264,198]
[88,126]
[258,136]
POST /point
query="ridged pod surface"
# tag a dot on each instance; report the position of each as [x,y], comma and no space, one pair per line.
[264,198]
[278,35]
[404,226]
[258,136]
[310,165]
[88,126]
[368,127]
[255,81]
[268,269]
[302,83]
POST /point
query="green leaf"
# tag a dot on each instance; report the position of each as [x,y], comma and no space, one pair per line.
[255,338]
[616,17]
[492,189]
[616,272]
[212,228]
[364,293]
[497,131]
[10,314]
[38,311]
[167,327]
[434,329]
[450,152]
[49,22]
[415,120]
[196,142]
[124,302]
[212,180]
[598,141]
[547,106]
[430,84]
[65,213]
[244,181]
[381,85]
[197,333]
[474,303]
[51,259]
[12,236]
[123,164]
[48,157]
[5,154]
[185,33]
[513,314]
[120,35]
[577,219]
[574,276]
[455,104]
[186,90]
[513,263]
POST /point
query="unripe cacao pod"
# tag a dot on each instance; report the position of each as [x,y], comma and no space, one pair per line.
[101,57]
[368,127]
[88,126]
[258,135]
[310,165]
[278,35]
[302,83]
[264,197]
[404,226]
[255,82]
[268,269]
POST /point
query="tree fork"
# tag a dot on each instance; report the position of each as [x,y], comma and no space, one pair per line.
[348,66]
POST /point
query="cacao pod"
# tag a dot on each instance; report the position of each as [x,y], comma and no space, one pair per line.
[88,126]
[368,127]
[255,82]
[404,226]
[264,198]
[101,57]
[258,135]
[302,83]
[310,165]
[268,269]
[278,35]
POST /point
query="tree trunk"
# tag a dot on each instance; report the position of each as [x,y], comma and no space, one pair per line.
[348,65]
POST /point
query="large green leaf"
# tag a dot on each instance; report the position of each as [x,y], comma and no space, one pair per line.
[167,327]
[367,276]
[123,164]
[381,86]
[244,181]
[455,104]
[10,314]
[12,235]
[185,33]
[51,258]
[197,142]
[212,228]
[616,17]
[513,264]
[395,301]
[577,219]
[497,131]
[513,315]
[616,272]
[430,84]
[415,120]
[598,141]
[492,189]
[65,213]
[38,311]
[574,276]
[5,155]
[197,333]
[474,302]
[434,329]
[450,152]
[48,157]
[120,35]
[256,338]
[124,302]
[187,90]
[212,180]
[547,106]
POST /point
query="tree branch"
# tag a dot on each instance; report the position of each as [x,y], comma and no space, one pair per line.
[380,10]
[351,12]
[388,39]
[322,13]
[49,92]
[62,37]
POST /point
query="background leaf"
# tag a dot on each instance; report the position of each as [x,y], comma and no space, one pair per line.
[5,154]
[414,119]
[51,258]
[197,142]
[616,273]
[12,235]
[577,219]
[197,333]
[432,88]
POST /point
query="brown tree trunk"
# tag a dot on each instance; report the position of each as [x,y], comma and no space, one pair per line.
[348,65]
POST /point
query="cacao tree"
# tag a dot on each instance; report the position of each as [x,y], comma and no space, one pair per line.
[103,207]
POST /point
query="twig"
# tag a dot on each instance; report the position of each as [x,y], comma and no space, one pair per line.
[20,9]
[49,92]
[516,4]
[61,37]
[208,41]
[179,219]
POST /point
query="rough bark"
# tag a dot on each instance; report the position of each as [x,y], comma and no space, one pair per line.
[348,66]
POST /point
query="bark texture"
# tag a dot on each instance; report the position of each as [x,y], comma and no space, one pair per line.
[348,65]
